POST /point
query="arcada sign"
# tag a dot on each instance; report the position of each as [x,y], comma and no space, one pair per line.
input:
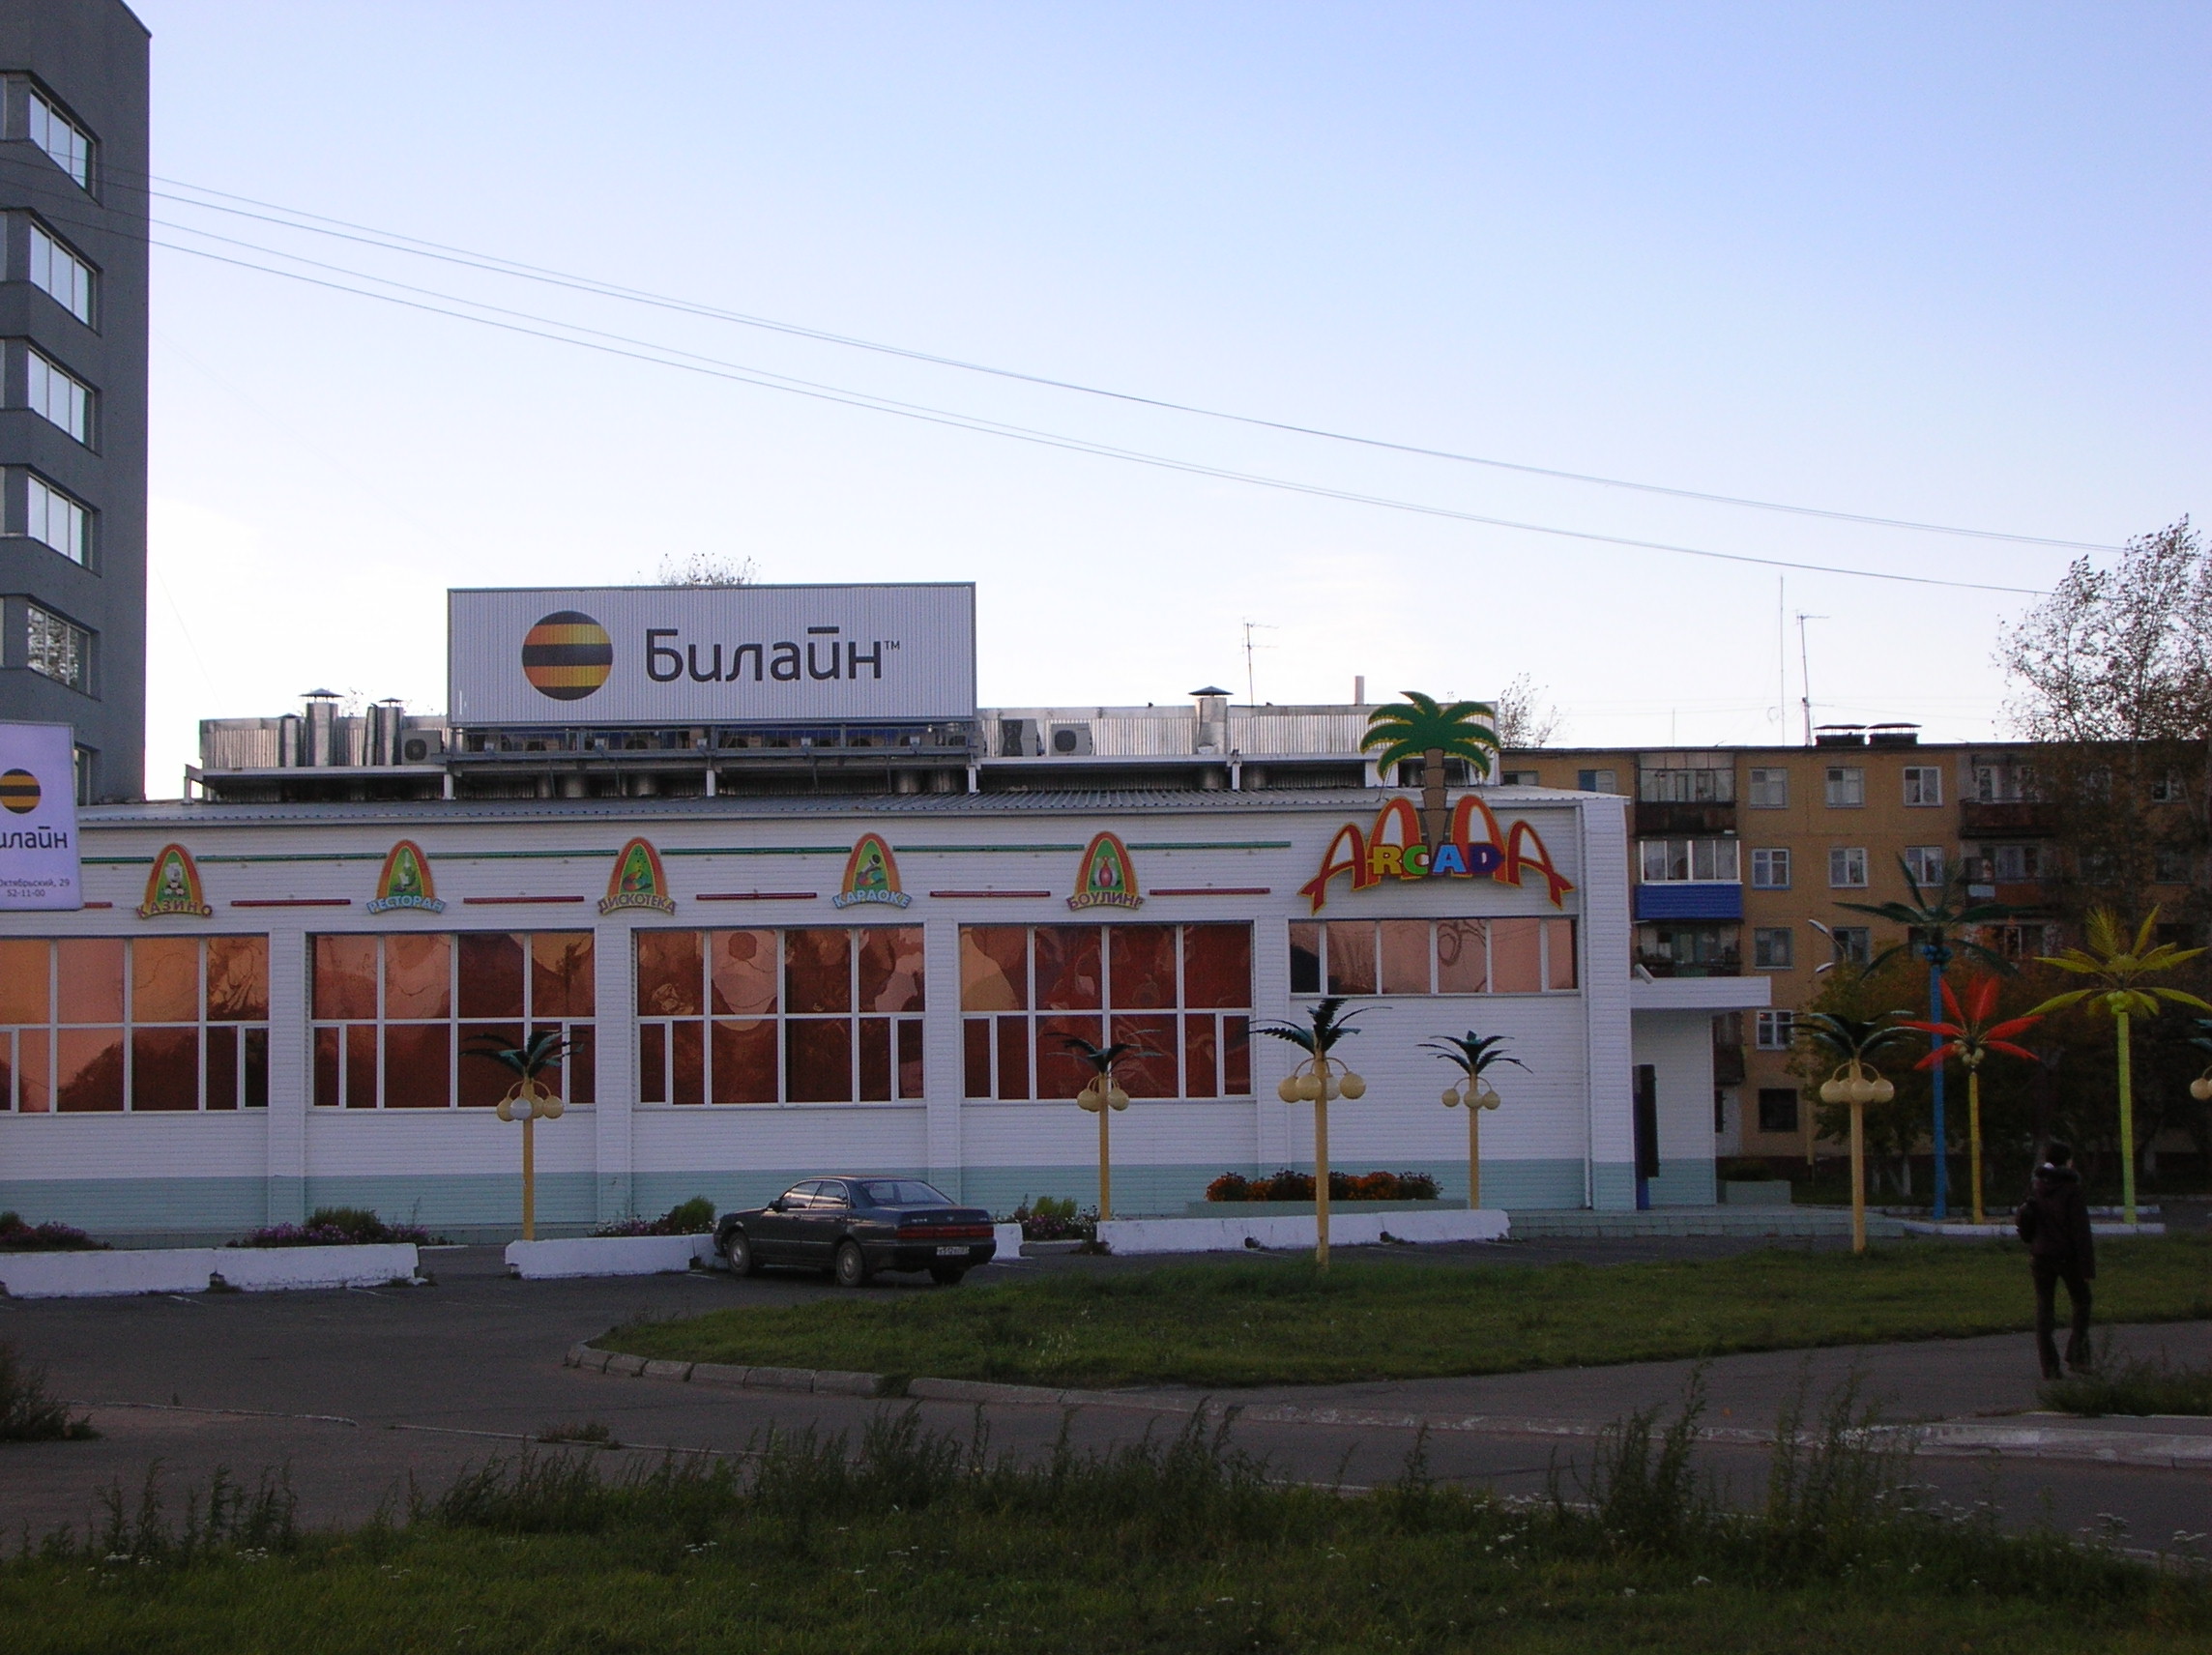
[711,654]
[1393,849]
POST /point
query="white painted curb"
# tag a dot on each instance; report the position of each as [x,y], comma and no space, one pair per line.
[1008,1236]
[609,1256]
[187,1270]
[1346,1228]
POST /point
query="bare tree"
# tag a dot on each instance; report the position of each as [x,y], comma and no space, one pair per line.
[708,569]
[1527,717]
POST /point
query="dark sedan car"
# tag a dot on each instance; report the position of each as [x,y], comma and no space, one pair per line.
[855,1226]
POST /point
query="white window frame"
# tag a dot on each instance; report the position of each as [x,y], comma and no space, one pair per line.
[1701,861]
[57,395]
[1770,868]
[56,520]
[1922,785]
[62,273]
[1928,863]
[1765,956]
[1854,943]
[69,147]
[1845,860]
[1774,1031]
[1597,781]
[1520,778]
[1768,788]
[45,633]
[1844,787]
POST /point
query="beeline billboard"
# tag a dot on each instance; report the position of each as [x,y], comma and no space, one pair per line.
[711,654]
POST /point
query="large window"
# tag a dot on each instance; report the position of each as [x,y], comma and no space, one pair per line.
[1432,956]
[60,274]
[1182,993]
[51,517]
[395,1015]
[1704,860]
[58,649]
[1700,778]
[62,138]
[58,396]
[826,1014]
[108,1023]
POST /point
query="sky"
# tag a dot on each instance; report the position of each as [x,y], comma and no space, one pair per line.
[1929,262]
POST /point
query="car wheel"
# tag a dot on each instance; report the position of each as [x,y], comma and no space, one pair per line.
[851,1267]
[947,1275]
[740,1252]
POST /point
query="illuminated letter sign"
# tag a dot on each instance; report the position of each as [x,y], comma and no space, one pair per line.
[1393,848]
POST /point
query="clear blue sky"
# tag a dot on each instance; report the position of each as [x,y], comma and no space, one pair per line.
[1925,261]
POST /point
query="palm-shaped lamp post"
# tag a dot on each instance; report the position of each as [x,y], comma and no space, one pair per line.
[1936,922]
[1854,1040]
[1316,1081]
[1419,728]
[1101,1097]
[1472,1055]
[528,1100]
[1970,1035]
[2120,966]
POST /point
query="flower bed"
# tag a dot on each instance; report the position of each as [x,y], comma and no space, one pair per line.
[693,1217]
[1289,1185]
[17,1236]
[1048,1220]
[338,1226]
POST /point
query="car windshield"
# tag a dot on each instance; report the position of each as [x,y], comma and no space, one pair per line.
[902,1192]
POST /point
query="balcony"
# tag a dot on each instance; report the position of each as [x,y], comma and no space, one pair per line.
[1983,819]
[1657,820]
[1724,963]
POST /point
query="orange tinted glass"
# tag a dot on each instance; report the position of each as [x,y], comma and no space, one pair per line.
[1067,968]
[491,974]
[744,1062]
[744,967]
[1143,959]
[1217,964]
[345,976]
[419,975]
[91,1069]
[1559,953]
[891,968]
[1462,957]
[24,991]
[818,971]
[1405,956]
[1514,963]
[994,968]
[166,979]
[165,1068]
[90,979]
[561,973]
[237,979]
[668,974]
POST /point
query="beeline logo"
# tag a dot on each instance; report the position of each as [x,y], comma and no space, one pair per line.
[568,656]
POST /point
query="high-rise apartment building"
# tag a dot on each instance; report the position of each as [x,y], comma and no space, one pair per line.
[73,162]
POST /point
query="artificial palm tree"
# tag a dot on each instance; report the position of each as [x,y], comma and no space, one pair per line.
[1316,1081]
[1419,728]
[2118,967]
[1936,922]
[1472,1055]
[1970,1035]
[1853,1041]
[1101,1096]
[528,1100]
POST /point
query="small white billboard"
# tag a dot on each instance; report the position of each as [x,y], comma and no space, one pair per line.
[37,816]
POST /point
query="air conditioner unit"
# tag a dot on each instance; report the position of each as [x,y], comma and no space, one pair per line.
[1020,738]
[421,747]
[1070,740]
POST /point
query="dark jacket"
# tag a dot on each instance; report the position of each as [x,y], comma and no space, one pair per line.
[2055,1221]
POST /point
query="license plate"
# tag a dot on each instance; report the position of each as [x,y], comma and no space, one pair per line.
[951,1252]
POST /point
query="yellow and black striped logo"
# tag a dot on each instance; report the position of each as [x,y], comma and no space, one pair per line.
[19,791]
[568,656]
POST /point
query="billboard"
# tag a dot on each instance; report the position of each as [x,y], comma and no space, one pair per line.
[37,816]
[711,654]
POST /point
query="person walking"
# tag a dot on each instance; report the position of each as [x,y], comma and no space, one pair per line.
[2055,1223]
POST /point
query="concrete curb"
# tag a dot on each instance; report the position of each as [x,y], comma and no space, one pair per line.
[816,1382]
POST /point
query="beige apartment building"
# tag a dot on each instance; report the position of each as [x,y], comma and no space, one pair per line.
[1742,857]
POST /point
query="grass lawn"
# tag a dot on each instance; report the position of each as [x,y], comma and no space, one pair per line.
[1276,1322]
[923,1546]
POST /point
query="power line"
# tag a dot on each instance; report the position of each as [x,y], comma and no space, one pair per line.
[664,356]
[393,241]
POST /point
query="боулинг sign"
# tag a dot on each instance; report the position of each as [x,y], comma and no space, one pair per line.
[720,654]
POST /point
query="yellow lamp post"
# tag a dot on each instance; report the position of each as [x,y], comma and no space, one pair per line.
[1472,1055]
[1103,1097]
[1317,1081]
[528,1100]
[1856,1084]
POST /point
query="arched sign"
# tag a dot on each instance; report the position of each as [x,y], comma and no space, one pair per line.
[1393,848]
[638,881]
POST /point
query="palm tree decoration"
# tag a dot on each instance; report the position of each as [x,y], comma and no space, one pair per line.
[1853,1041]
[1938,921]
[2200,1088]
[1472,1055]
[2118,967]
[1101,1097]
[1421,729]
[1970,1035]
[528,1100]
[1316,1081]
